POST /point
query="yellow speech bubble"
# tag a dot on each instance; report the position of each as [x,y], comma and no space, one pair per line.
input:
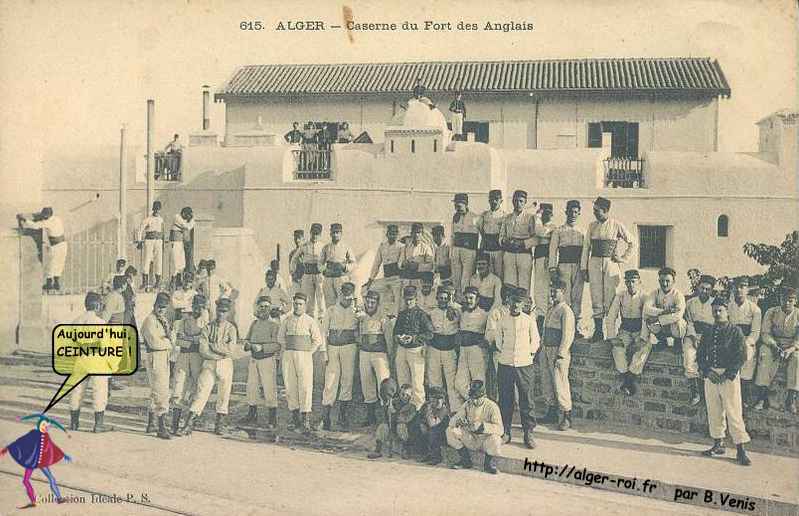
[82,350]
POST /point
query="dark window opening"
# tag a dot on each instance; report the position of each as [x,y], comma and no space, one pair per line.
[624,138]
[435,145]
[479,129]
[392,146]
[723,226]
[652,247]
[413,146]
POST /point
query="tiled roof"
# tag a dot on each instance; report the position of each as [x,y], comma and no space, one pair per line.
[673,75]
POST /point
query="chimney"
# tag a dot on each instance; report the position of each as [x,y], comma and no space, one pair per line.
[779,139]
[206,108]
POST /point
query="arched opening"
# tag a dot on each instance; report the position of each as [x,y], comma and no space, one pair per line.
[723,226]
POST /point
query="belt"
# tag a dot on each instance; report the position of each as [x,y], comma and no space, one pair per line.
[259,355]
[445,271]
[570,254]
[56,240]
[334,270]
[602,248]
[390,270]
[153,235]
[194,348]
[552,336]
[632,324]
[485,302]
[373,343]
[746,329]
[470,338]
[310,268]
[516,245]
[340,337]
[491,242]
[299,343]
[444,342]
[409,274]
[465,240]
[541,251]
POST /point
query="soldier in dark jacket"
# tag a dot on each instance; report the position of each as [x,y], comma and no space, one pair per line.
[431,426]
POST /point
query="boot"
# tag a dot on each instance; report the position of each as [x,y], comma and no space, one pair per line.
[56,283]
[466,459]
[599,334]
[272,424]
[405,452]
[150,422]
[506,436]
[306,423]
[99,427]
[790,402]
[371,414]
[741,457]
[529,442]
[162,431]
[176,414]
[343,423]
[157,282]
[377,453]
[717,449]
[565,421]
[625,384]
[252,416]
[188,426]
[632,384]
[295,423]
[761,397]
[696,395]
[540,322]
[145,282]
[490,464]
[551,416]
[74,419]
[219,424]
[326,417]
[48,285]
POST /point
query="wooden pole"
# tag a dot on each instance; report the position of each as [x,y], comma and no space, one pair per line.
[150,160]
[122,248]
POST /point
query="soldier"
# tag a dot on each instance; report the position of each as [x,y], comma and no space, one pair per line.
[181,304]
[181,231]
[264,348]
[340,328]
[218,342]
[600,261]
[779,344]
[114,302]
[477,425]
[472,343]
[119,270]
[442,255]
[388,256]
[412,332]
[308,258]
[720,356]
[151,237]
[543,232]
[431,426]
[295,269]
[465,240]
[492,323]
[374,333]
[53,227]
[190,362]
[336,261]
[158,338]
[427,296]
[557,342]
[416,259]
[279,298]
[399,414]
[489,224]
[441,355]
[93,304]
[698,316]
[300,337]
[565,251]
[517,231]
[487,284]
[745,314]
[632,337]
[516,341]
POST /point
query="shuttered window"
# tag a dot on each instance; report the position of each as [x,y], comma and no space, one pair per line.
[652,242]
[595,134]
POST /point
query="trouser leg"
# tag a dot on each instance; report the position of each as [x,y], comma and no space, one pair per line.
[525,271]
[253,382]
[547,367]
[159,386]
[640,357]
[303,364]
[374,369]
[449,366]
[768,362]
[58,257]
[541,284]
[497,263]
[267,372]
[26,481]
[596,276]
[507,398]
[562,386]
[715,410]
[193,363]
[99,392]
[457,269]
[471,366]
[730,391]
[523,379]
[416,364]
[620,350]
[510,270]
[51,480]
[290,380]
[689,357]
[76,396]
[332,375]
[205,384]
[792,372]
[467,258]
[224,375]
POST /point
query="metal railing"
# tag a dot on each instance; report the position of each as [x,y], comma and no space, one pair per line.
[167,166]
[312,163]
[624,173]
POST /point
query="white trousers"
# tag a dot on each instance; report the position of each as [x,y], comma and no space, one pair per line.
[99,393]
[488,443]
[724,409]
[157,363]
[262,373]
[471,366]
[298,377]
[214,371]
[187,373]
[339,373]
[57,259]
[374,369]
[518,269]
[153,253]
[410,364]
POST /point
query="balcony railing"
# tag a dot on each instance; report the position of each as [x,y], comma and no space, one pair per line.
[311,163]
[167,166]
[624,173]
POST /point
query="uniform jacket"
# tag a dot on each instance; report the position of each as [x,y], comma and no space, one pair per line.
[611,229]
[626,306]
[517,340]
[414,321]
[487,415]
[218,340]
[721,346]
[780,330]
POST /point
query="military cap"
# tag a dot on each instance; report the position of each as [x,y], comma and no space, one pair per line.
[546,206]
[199,299]
[788,292]
[373,294]
[477,389]
[720,300]
[603,203]
[408,292]
[557,284]
[461,197]
[92,300]
[436,392]
[46,212]
[299,232]
[667,271]
[520,194]
[347,289]
[573,204]
[741,281]
[471,290]
[186,212]
[336,226]
[270,272]
[707,278]
[632,274]
[438,229]
[162,299]
[156,205]
[224,304]
[482,257]
[263,299]
[316,228]
[495,194]
[392,228]
[301,295]
[416,227]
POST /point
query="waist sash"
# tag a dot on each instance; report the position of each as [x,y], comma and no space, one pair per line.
[390,270]
[310,268]
[631,325]
[444,342]
[470,338]
[516,245]
[570,254]
[175,235]
[465,240]
[485,302]
[299,343]
[153,235]
[340,337]
[541,251]
[602,248]
[56,240]
[334,270]
[491,242]
[374,343]
[552,336]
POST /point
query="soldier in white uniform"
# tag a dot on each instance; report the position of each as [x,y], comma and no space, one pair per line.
[745,314]
[543,232]
[779,345]
[264,348]
[565,252]
[416,259]
[336,261]
[308,258]
[489,224]
[698,316]
[180,232]
[556,358]
[151,236]
[472,343]
[190,362]
[295,269]
[516,237]
[279,298]
[600,261]
[412,333]
[488,285]
[375,327]
[159,337]
[465,242]
[442,256]
[441,357]
[53,233]
[340,328]
[387,257]
[477,425]
[630,340]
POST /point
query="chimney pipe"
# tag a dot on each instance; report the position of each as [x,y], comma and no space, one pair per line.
[150,160]
[206,108]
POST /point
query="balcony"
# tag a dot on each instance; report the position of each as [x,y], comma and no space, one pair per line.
[167,166]
[624,172]
[312,164]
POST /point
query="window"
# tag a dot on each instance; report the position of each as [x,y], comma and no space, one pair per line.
[479,129]
[413,146]
[723,226]
[435,145]
[624,138]
[652,250]
[392,146]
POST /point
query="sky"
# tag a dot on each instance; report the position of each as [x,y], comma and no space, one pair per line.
[72,72]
